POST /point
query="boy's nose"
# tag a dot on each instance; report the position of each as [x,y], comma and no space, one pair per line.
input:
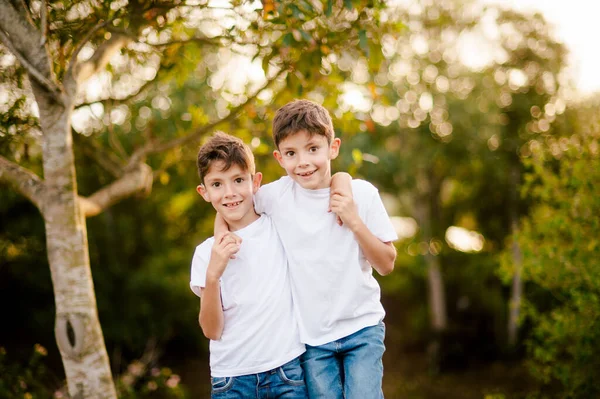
[228,191]
[302,161]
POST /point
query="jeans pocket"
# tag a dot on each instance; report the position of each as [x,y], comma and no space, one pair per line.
[221,384]
[291,373]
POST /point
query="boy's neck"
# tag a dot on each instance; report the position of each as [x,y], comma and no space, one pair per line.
[248,219]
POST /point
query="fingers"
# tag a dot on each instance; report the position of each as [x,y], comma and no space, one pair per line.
[339,221]
[228,237]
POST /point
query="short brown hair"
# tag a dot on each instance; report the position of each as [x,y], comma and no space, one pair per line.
[302,115]
[229,149]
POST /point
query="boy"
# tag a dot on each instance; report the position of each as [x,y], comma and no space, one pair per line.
[242,279]
[336,298]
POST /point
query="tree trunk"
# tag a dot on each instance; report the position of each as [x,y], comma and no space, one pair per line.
[78,333]
[435,288]
[437,295]
[517,282]
[435,283]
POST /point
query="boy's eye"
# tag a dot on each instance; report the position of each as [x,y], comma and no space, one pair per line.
[313,149]
[216,184]
[289,153]
[239,180]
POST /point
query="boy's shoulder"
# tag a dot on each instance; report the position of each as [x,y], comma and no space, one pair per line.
[363,189]
[279,184]
[204,248]
[363,185]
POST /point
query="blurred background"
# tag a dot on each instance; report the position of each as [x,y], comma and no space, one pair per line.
[477,120]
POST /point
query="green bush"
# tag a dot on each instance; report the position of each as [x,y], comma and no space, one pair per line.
[560,242]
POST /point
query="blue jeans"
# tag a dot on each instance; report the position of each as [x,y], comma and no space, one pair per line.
[349,368]
[285,382]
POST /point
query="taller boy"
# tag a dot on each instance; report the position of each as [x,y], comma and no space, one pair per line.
[336,297]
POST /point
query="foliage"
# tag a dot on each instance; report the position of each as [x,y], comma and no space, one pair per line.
[461,128]
[33,380]
[140,382]
[446,136]
[29,381]
[175,80]
[561,258]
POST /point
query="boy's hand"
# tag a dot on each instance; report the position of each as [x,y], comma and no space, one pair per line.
[221,227]
[225,247]
[341,183]
[344,207]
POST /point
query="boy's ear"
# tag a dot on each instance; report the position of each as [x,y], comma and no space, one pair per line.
[278,157]
[334,148]
[256,180]
[202,191]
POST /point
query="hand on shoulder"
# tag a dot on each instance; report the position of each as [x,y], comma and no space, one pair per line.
[226,245]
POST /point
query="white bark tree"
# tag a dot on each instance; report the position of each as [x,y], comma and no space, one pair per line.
[56,73]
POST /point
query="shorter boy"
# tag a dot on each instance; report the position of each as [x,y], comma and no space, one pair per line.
[242,279]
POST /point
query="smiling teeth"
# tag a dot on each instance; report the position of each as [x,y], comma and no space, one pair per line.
[306,174]
[232,204]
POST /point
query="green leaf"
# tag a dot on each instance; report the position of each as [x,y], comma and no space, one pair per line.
[287,39]
[348,4]
[329,8]
[305,35]
[363,41]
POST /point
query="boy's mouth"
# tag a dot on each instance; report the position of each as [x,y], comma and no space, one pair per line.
[232,204]
[306,174]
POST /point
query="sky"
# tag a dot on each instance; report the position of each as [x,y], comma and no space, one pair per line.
[576,25]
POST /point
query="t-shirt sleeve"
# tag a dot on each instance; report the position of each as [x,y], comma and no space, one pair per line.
[199,265]
[376,217]
[267,196]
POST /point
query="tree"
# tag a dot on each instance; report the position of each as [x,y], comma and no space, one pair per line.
[460,125]
[561,252]
[55,48]
[529,91]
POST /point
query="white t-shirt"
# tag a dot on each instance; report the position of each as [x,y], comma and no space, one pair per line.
[334,291]
[260,331]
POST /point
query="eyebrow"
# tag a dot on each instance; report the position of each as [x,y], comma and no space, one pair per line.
[310,143]
[214,179]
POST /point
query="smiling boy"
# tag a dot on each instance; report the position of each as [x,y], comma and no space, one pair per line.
[336,297]
[241,277]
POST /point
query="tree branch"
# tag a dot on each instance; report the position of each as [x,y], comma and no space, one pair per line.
[23,181]
[83,71]
[31,70]
[138,179]
[23,9]
[114,101]
[82,43]
[107,160]
[151,148]
[212,41]
[44,24]
[24,38]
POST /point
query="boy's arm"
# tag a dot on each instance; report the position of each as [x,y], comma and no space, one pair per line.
[381,255]
[211,316]
[221,227]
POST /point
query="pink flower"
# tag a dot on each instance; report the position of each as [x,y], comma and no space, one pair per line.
[173,381]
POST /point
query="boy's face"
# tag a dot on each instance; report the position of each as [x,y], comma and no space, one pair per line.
[307,159]
[230,193]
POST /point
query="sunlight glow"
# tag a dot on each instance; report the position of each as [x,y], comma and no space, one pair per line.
[405,227]
[464,240]
[354,98]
